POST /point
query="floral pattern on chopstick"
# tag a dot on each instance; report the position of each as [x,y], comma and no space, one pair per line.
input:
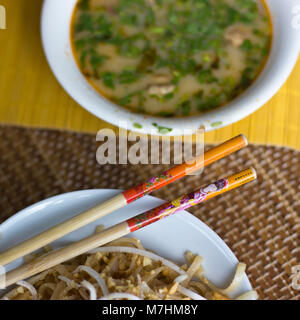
[170,208]
[154,183]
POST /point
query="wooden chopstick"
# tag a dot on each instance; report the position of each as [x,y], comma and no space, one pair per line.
[124,228]
[121,200]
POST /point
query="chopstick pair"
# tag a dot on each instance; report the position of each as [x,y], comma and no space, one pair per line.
[124,228]
[122,199]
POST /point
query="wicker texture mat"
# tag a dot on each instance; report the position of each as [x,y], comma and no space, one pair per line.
[259,222]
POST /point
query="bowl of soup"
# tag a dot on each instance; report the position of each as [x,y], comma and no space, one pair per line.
[171,66]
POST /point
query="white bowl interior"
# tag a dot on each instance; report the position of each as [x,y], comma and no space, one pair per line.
[56,17]
[170,237]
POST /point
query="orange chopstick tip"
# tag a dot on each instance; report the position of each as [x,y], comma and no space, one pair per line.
[254,173]
[242,177]
[245,139]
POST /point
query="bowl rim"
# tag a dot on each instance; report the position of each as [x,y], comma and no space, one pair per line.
[263,89]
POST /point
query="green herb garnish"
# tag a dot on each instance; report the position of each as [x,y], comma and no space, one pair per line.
[137,125]
[161,129]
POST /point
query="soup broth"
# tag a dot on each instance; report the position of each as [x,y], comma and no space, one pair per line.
[171,57]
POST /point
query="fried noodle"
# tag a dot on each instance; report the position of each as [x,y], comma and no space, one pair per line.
[125,270]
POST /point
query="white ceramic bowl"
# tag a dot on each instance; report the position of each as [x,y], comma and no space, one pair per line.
[161,237]
[55,29]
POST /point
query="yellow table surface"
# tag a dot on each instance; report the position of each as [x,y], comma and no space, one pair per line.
[31,96]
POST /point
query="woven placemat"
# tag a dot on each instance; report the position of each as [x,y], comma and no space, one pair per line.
[259,222]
